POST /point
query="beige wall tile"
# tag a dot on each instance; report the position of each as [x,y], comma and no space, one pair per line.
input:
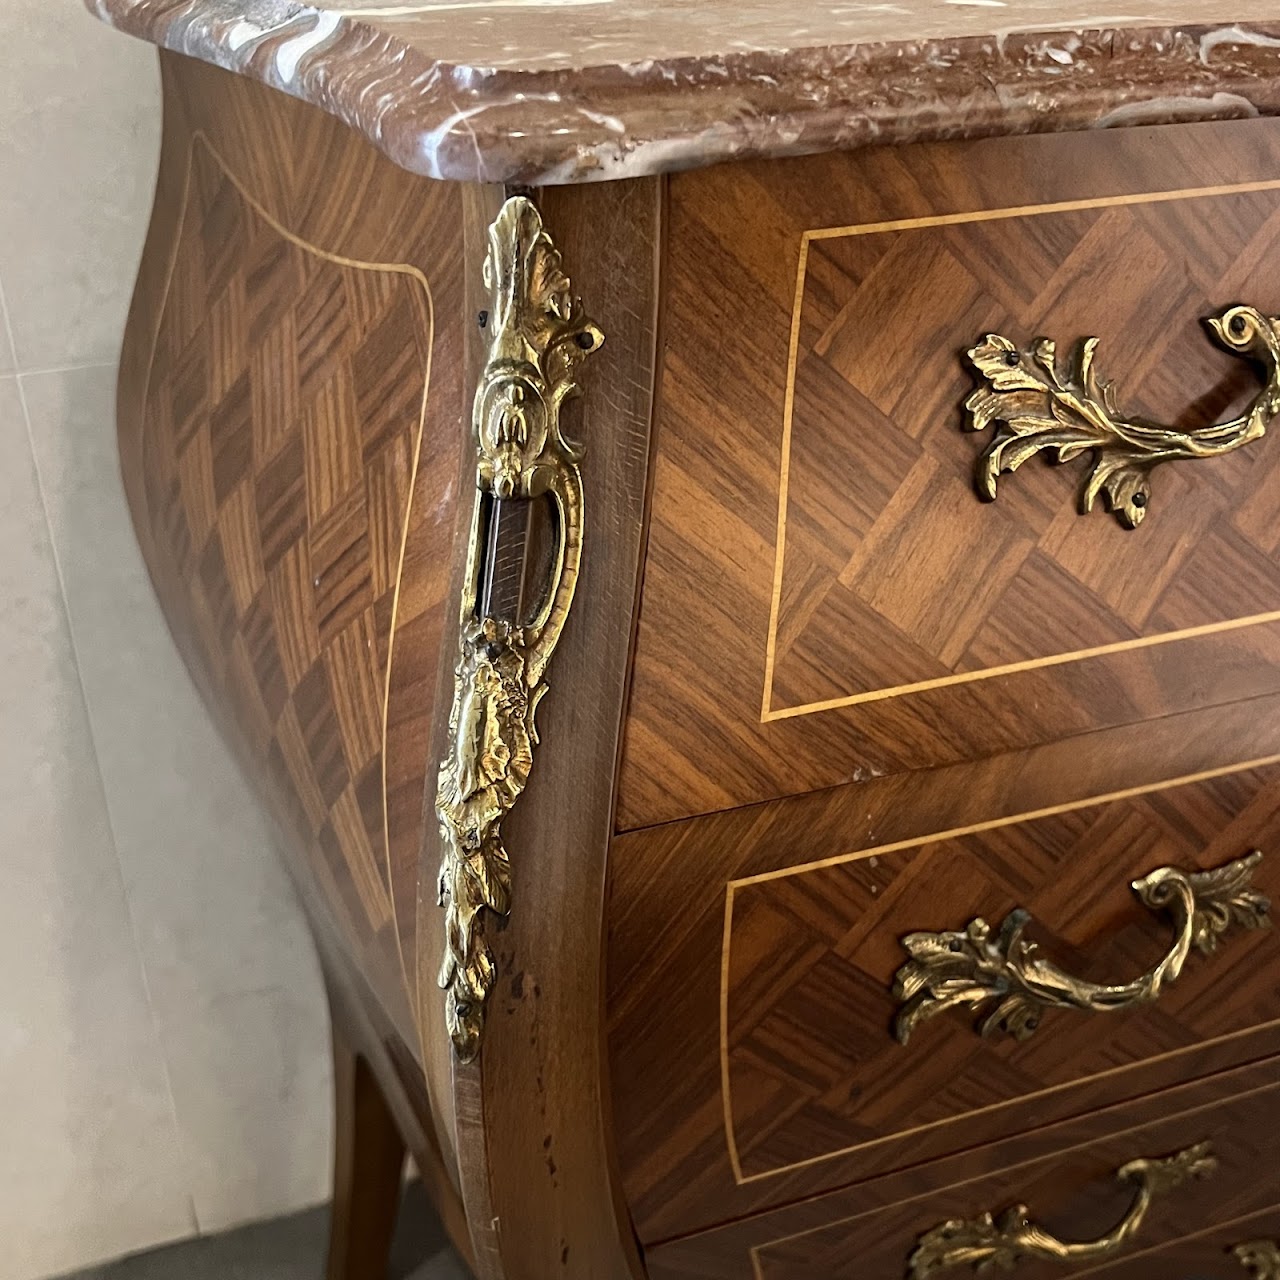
[252,1080]
[231,968]
[90,1161]
[79,141]
[165,955]
[6,339]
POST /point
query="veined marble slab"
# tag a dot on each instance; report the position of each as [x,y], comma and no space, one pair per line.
[557,91]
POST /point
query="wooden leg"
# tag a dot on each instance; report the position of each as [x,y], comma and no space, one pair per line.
[368,1163]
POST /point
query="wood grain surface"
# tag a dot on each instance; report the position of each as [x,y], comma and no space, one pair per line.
[764,1070]
[825,597]
[812,1067]
[533,1120]
[294,410]
[890,575]
[295,436]
[364,1029]
[1065,1176]
[291,423]
[369,1156]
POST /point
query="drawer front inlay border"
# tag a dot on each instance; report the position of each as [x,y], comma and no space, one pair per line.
[756,1251]
[769,712]
[732,886]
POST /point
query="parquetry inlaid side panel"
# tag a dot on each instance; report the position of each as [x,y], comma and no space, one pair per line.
[825,596]
[284,449]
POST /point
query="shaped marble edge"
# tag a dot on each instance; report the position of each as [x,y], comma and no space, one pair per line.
[545,92]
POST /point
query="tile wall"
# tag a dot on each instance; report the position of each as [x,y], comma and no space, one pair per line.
[163,1040]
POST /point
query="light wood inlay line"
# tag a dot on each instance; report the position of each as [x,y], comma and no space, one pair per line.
[768,711]
[758,1249]
[726,1092]
[397,268]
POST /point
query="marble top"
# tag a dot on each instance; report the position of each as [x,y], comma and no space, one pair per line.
[555,91]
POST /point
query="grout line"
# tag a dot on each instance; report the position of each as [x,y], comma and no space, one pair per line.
[183,1154]
[68,368]
[18,372]
[8,333]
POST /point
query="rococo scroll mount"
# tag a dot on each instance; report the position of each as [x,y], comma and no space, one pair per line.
[1002,970]
[537,337]
[1261,1258]
[1033,407]
[992,1242]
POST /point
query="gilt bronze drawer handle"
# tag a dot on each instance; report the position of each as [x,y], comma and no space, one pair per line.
[537,336]
[1261,1258]
[974,967]
[988,1243]
[1036,408]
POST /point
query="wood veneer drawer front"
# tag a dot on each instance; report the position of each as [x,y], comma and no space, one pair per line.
[1248,1249]
[814,958]
[825,594]
[1206,1172]
[754,955]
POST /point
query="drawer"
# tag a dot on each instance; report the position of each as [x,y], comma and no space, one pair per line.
[826,597]
[799,992]
[1194,1187]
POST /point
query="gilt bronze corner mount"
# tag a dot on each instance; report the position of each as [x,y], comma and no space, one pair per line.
[537,335]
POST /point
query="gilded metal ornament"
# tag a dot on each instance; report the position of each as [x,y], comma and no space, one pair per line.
[1035,407]
[990,1242]
[537,336]
[977,967]
[1261,1258]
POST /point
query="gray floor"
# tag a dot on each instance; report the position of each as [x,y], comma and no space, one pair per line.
[291,1249]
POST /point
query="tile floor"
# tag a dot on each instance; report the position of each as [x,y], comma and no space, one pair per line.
[291,1248]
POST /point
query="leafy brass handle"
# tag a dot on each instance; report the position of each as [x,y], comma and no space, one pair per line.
[1261,1258]
[974,967]
[989,1242]
[1036,408]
